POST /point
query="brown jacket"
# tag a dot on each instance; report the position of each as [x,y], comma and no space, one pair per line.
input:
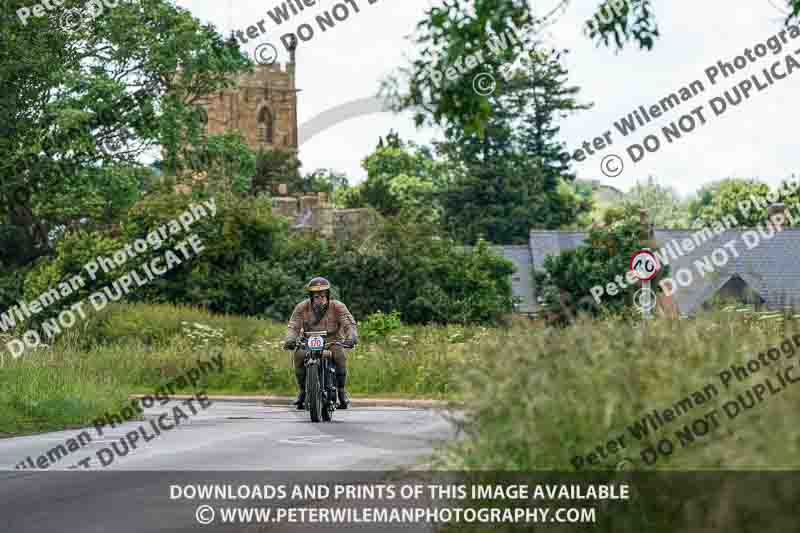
[337,321]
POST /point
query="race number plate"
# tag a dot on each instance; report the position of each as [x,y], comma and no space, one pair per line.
[316,343]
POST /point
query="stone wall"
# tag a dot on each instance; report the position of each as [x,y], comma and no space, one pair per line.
[311,213]
[350,224]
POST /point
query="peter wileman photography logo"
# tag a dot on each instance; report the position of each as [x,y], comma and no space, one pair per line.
[69,20]
[496,46]
[265,54]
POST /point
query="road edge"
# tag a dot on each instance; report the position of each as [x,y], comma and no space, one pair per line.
[354,402]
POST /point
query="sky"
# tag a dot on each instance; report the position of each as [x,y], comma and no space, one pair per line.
[755,139]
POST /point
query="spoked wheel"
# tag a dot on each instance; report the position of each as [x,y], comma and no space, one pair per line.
[327,413]
[314,393]
[330,395]
[328,408]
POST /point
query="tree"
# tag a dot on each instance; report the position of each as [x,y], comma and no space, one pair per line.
[459,28]
[515,172]
[539,94]
[565,282]
[77,104]
[274,167]
[664,206]
[227,163]
[101,197]
[744,200]
[718,200]
[623,21]
[401,177]
[325,180]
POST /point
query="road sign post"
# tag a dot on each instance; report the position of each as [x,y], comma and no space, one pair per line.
[645,266]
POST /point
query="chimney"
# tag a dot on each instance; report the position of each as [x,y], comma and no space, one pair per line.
[648,233]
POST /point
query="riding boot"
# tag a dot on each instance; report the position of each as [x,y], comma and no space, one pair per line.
[300,374]
[341,382]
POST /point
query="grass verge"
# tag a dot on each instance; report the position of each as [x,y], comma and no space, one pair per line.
[134,348]
[540,398]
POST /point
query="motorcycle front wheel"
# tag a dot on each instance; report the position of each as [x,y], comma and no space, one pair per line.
[313,393]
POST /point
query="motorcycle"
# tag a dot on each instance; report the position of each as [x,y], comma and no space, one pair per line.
[320,375]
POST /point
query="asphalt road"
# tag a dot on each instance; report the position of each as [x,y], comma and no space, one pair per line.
[227,443]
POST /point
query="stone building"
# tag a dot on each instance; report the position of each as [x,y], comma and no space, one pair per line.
[311,213]
[262,106]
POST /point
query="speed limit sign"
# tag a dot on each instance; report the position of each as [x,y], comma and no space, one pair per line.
[644,265]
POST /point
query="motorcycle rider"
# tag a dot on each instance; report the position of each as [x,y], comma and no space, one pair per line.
[319,313]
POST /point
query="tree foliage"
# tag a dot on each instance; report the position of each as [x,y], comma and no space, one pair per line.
[402,177]
[225,163]
[251,264]
[458,28]
[565,282]
[77,105]
[274,167]
[665,207]
[514,171]
[718,200]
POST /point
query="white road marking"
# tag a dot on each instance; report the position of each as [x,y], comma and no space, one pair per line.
[311,439]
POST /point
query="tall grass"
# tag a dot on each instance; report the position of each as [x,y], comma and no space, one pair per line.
[137,347]
[540,397]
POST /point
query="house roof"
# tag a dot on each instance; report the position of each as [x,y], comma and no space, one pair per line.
[772,268]
[522,279]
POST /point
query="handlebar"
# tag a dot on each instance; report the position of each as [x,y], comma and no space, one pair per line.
[304,344]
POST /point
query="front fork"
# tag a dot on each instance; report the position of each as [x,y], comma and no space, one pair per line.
[327,373]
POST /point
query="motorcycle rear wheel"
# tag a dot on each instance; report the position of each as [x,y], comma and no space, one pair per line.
[330,401]
[327,411]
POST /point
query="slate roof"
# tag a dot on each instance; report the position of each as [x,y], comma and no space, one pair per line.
[772,268]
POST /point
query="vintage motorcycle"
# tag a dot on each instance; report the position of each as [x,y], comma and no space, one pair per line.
[320,375]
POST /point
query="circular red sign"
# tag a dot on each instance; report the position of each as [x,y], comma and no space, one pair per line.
[640,261]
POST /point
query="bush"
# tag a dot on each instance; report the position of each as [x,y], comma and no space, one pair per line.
[237,241]
[566,280]
[72,253]
[252,265]
[426,278]
[15,246]
[378,325]
[12,288]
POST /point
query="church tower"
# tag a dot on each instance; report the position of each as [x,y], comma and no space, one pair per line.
[262,106]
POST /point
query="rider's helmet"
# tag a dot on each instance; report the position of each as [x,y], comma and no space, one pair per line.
[316,286]
[319,285]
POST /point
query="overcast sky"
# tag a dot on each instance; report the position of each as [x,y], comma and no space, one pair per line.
[754,139]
